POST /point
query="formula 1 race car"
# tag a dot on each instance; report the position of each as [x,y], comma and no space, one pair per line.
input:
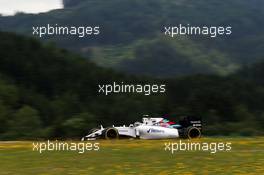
[151,128]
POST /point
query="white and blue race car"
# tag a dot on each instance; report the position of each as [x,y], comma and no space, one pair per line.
[151,128]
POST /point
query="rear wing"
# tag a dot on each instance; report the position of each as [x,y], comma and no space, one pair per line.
[187,121]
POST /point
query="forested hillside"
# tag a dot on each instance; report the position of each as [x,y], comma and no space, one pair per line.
[131,31]
[71,3]
[47,92]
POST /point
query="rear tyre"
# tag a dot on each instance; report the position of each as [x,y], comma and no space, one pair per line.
[110,133]
[192,132]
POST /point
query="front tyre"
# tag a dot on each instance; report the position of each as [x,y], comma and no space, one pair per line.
[110,133]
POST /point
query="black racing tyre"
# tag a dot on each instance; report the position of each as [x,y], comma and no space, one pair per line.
[110,133]
[192,132]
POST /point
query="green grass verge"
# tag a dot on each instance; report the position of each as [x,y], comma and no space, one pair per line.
[135,157]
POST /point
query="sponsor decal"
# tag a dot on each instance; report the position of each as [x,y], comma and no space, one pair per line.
[151,130]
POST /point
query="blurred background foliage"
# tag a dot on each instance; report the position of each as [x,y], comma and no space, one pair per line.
[132,34]
[46,92]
